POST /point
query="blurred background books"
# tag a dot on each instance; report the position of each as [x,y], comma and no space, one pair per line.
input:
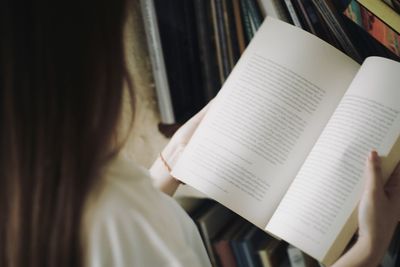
[231,241]
[194,44]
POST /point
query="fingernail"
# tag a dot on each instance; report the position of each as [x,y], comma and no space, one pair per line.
[373,156]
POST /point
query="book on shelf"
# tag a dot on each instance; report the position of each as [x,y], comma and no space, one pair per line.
[334,22]
[239,25]
[298,258]
[234,50]
[255,13]
[274,9]
[388,15]
[210,222]
[285,141]
[157,62]
[222,37]
[207,53]
[293,13]
[222,245]
[248,245]
[379,20]
[395,4]
[272,252]
[313,21]
[236,246]
[180,46]
[247,24]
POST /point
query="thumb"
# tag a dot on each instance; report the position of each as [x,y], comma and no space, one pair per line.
[374,180]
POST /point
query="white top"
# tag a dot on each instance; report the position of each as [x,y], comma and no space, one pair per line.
[128,222]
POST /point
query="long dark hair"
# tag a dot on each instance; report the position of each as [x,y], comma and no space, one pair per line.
[61,84]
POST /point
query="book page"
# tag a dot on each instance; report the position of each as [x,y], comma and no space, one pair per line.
[329,184]
[265,120]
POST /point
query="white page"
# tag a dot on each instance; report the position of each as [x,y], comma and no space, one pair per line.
[329,184]
[265,120]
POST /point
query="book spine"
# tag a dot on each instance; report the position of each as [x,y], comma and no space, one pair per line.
[321,28]
[246,21]
[193,92]
[255,13]
[295,257]
[217,42]
[239,26]
[394,4]
[233,38]
[374,26]
[386,13]
[229,34]
[264,258]
[238,253]
[274,9]
[222,38]
[249,254]
[225,255]
[306,16]
[293,14]
[336,28]
[157,62]
[206,49]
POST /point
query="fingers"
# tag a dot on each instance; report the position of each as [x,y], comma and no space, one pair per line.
[374,181]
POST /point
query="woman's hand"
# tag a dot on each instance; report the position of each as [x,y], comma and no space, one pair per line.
[378,216]
[171,153]
[379,210]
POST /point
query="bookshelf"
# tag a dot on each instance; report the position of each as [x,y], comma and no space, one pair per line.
[201,42]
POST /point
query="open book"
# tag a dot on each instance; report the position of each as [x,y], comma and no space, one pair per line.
[285,142]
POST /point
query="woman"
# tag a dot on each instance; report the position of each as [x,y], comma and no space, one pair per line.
[66,199]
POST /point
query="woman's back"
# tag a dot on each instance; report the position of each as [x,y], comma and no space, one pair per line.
[130,223]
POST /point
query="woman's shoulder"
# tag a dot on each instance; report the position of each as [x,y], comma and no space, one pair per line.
[128,222]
